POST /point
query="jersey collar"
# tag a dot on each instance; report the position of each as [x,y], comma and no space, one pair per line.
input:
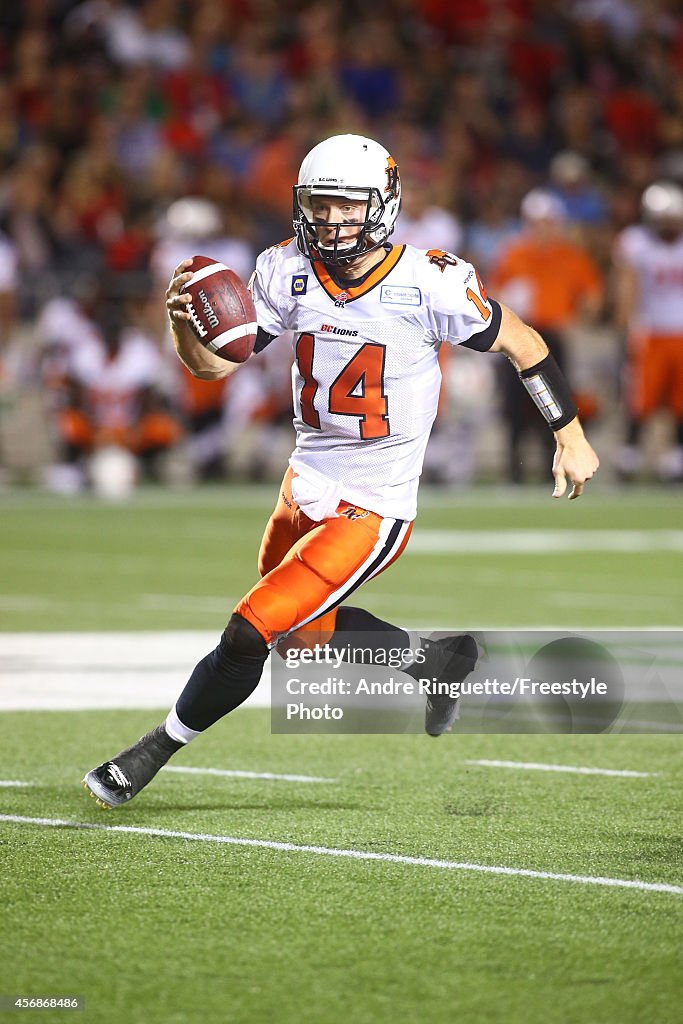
[374,278]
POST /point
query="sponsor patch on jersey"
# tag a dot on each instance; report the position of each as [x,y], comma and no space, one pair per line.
[400,295]
[299,284]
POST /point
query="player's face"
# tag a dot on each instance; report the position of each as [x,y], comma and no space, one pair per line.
[335,210]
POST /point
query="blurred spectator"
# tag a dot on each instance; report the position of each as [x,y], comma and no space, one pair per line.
[8,287]
[649,308]
[571,180]
[423,223]
[113,110]
[489,233]
[551,283]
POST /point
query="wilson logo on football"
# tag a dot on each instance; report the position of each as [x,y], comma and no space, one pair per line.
[208,309]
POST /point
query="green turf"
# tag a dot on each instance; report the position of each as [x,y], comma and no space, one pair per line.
[182,561]
[152,929]
[162,929]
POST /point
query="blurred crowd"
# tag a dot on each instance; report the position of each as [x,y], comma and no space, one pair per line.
[136,132]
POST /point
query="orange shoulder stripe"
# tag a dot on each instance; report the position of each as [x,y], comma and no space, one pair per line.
[354,292]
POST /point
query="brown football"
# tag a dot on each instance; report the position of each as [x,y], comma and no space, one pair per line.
[222,311]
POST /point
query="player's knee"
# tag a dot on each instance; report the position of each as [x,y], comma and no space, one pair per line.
[241,638]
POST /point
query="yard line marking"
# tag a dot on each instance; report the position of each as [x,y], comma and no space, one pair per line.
[391,858]
[14,782]
[562,768]
[186,602]
[248,775]
[533,542]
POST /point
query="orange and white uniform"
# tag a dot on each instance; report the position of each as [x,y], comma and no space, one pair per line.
[366,382]
[656,331]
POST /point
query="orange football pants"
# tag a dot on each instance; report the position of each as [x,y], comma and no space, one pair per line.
[656,374]
[308,569]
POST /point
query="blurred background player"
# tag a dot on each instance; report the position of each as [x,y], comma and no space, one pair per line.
[551,282]
[102,372]
[649,308]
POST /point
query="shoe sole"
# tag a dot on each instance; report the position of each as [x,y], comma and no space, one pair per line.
[435,735]
[97,796]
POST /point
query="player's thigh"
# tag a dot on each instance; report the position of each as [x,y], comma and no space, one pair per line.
[282,530]
[320,571]
[319,631]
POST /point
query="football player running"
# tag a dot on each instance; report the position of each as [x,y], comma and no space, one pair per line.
[368,319]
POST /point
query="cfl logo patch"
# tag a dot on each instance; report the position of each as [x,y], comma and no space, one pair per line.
[299,284]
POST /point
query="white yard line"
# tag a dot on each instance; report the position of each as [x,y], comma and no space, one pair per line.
[13,782]
[389,858]
[562,768]
[534,542]
[247,775]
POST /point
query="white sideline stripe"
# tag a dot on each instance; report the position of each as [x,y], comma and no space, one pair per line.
[563,768]
[240,331]
[532,542]
[14,782]
[247,775]
[199,275]
[391,858]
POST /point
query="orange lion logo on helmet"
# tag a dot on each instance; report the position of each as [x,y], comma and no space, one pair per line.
[393,185]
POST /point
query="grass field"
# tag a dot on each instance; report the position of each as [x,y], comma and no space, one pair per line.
[206,908]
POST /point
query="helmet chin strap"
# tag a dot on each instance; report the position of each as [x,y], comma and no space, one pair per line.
[335,255]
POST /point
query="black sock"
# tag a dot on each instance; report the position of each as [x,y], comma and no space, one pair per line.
[225,678]
[633,432]
[385,637]
[679,434]
[379,635]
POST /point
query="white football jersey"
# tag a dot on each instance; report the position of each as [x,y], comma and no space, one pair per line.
[366,377]
[659,269]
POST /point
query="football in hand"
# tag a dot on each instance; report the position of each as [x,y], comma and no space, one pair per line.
[222,313]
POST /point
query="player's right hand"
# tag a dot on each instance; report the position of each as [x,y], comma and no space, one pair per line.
[176,299]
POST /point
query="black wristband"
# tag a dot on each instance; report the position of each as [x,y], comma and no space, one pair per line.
[550,392]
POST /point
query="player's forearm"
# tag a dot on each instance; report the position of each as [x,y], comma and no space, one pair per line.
[198,360]
[538,372]
[523,346]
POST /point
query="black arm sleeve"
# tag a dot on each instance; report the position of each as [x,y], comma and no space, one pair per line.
[550,392]
[263,339]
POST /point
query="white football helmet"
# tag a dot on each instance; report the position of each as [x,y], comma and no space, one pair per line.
[349,167]
[663,201]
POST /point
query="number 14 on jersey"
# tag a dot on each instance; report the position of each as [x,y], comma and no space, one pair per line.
[357,391]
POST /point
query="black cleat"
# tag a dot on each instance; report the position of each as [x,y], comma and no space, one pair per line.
[119,780]
[457,656]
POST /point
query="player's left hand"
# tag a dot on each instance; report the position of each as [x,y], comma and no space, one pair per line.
[574,460]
